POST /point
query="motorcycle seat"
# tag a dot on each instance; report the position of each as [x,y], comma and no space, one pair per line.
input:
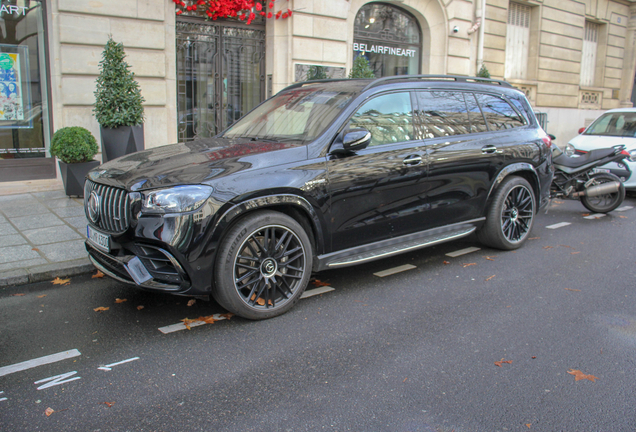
[591,156]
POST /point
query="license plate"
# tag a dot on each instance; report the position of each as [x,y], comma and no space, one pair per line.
[97,239]
[137,271]
[601,170]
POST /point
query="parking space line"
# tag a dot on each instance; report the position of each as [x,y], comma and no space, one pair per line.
[624,208]
[53,358]
[595,216]
[394,270]
[4,398]
[463,252]
[182,326]
[558,225]
[316,291]
[112,365]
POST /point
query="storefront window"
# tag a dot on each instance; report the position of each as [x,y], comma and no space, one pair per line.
[390,39]
[24,117]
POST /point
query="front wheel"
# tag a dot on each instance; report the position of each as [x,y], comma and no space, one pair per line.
[603,203]
[263,266]
[510,216]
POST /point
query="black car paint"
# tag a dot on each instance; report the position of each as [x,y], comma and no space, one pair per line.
[338,205]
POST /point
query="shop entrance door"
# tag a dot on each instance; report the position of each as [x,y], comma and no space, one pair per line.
[220,74]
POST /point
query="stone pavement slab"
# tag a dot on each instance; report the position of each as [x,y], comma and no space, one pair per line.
[41,237]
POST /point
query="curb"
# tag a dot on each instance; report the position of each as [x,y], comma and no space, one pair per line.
[45,272]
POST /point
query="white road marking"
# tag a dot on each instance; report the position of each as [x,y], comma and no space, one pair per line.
[595,216]
[394,270]
[6,370]
[112,365]
[56,380]
[181,326]
[624,208]
[2,399]
[463,252]
[316,291]
[558,225]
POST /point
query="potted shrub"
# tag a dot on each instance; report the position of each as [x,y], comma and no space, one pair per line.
[75,147]
[118,104]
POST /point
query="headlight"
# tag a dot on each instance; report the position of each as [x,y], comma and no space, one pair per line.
[569,150]
[178,199]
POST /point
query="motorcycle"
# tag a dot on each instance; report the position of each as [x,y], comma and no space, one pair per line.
[580,178]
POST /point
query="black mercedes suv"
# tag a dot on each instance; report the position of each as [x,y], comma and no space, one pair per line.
[325,174]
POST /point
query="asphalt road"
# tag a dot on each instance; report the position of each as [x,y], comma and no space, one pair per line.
[414,351]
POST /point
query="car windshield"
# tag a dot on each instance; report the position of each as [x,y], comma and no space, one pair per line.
[621,124]
[300,114]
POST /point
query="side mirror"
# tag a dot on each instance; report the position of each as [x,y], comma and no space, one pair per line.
[582,130]
[356,139]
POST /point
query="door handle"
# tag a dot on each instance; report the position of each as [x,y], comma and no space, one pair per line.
[412,160]
[489,149]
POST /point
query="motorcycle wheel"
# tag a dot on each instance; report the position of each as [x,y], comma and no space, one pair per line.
[604,203]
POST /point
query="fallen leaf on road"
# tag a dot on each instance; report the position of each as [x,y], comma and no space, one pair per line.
[317,283]
[574,253]
[566,246]
[499,363]
[35,249]
[528,425]
[118,300]
[227,315]
[109,404]
[97,275]
[140,307]
[192,302]
[623,217]
[208,319]
[17,295]
[187,322]
[558,202]
[548,247]
[468,264]
[490,258]
[534,357]
[572,289]
[49,411]
[42,296]
[58,281]
[585,214]
[446,262]
[487,279]
[578,375]
[101,309]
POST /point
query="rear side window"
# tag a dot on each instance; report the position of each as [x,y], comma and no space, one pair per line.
[388,117]
[442,113]
[498,113]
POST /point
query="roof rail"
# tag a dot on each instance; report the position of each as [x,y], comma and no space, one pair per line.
[455,78]
[302,83]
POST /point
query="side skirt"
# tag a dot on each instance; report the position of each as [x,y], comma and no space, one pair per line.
[397,245]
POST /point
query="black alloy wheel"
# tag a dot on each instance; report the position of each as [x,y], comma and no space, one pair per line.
[264,266]
[511,215]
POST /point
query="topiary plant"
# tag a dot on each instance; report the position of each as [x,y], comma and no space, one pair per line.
[74,145]
[483,72]
[118,99]
[361,68]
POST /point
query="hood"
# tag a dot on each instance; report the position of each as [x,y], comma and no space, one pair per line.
[593,142]
[193,162]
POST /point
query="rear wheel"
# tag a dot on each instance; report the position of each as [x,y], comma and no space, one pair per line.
[510,216]
[607,202]
[263,266]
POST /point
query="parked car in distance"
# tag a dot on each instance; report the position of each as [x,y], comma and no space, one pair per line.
[323,175]
[612,128]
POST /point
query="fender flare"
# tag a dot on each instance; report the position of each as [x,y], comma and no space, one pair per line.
[513,168]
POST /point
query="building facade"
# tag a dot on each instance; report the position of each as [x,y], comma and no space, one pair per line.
[573,59]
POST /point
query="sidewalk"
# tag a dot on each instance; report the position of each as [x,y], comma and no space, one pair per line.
[41,237]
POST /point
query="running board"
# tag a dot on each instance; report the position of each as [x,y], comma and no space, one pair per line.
[392,247]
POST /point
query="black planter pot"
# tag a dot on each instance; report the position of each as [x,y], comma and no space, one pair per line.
[121,141]
[74,175]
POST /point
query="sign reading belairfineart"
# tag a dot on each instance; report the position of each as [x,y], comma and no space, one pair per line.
[11,9]
[384,50]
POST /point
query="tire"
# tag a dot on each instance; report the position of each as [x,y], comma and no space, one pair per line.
[510,217]
[257,278]
[603,203]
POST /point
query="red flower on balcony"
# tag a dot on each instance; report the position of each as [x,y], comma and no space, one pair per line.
[245,10]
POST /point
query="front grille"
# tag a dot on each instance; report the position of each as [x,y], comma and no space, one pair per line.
[114,207]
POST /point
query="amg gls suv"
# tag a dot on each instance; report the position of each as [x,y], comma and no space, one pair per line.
[323,175]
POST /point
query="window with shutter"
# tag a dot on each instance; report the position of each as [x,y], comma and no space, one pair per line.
[517,41]
[588,56]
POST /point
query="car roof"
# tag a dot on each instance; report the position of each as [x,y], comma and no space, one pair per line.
[620,110]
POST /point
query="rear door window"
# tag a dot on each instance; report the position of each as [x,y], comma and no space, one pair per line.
[442,113]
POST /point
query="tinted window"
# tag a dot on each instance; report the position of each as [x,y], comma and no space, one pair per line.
[499,114]
[477,121]
[388,117]
[442,113]
[614,124]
